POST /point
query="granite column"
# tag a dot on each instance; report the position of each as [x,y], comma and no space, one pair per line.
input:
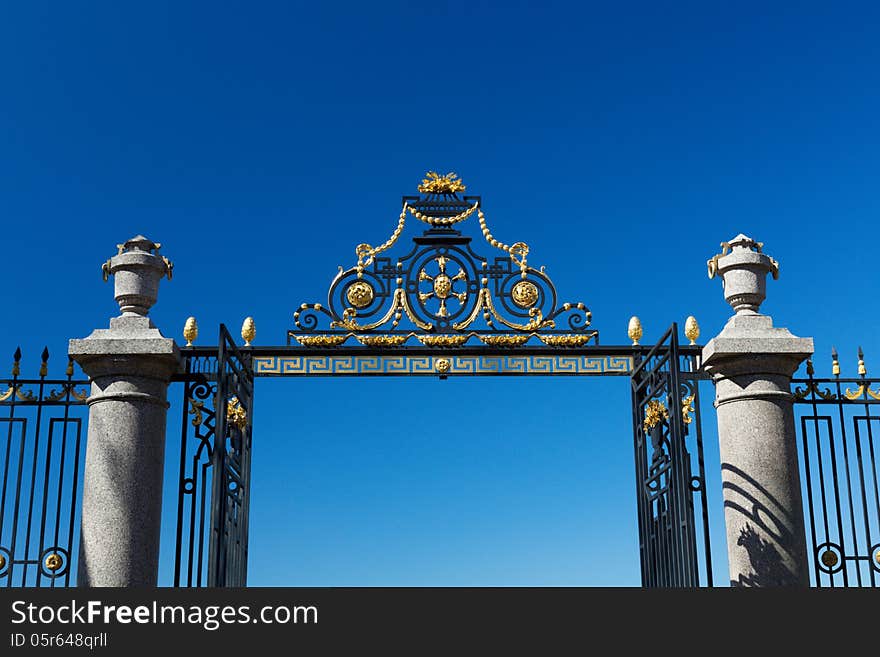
[130,365]
[751,363]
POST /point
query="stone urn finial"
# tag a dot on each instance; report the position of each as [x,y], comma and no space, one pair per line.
[137,269]
[743,269]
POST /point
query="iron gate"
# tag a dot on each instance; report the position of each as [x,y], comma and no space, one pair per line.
[666,412]
[42,464]
[836,419]
[214,484]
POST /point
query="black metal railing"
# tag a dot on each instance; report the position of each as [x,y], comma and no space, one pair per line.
[836,419]
[41,461]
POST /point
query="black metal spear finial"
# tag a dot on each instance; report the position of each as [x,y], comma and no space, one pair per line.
[835,364]
[44,365]
[16,360]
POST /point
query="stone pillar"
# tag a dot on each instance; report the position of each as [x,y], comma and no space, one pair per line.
[130,365]
[752,363]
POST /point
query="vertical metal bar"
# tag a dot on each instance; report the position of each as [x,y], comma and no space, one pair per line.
[16,507]
[849,490]
[57,531]
[178,548]
[864,497]
[203,534]
[74,507]
[247,444]
[58,493]
[634,406]
[876,491]
[11,422]
[707,543]
[809,484]
[27,539]
[822,488]
[218,508]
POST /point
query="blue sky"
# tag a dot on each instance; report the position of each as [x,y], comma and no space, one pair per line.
[260,142]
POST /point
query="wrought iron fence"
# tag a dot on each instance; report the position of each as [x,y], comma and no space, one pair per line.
[836,419]
[42,465]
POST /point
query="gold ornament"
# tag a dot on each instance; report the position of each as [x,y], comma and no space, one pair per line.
[687,407]
[2,562]
[248,331]
[442,286]
[565,340]
[829,558]
[504,340]
[360,294]
[382,340]
[190,331]
[434,183]
[442,365]
[321,340]
[655,412]
[692,329]
[53,562]
[634,330]
[443,340]
[525,294]
[235,414]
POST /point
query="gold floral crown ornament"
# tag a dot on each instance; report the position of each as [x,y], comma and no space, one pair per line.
[434,183]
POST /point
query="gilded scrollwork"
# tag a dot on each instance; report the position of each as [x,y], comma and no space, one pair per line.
[195,409]
[442,286]
[687,407]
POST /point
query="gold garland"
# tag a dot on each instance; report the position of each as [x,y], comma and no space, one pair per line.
[520,249]
[365,253]
[443,221]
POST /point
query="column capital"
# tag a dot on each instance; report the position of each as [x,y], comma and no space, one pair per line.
[750,344]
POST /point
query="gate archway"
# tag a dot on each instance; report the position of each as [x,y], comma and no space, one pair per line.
[442,309]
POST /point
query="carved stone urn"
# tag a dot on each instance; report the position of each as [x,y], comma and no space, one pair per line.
[137,270]
[743,269]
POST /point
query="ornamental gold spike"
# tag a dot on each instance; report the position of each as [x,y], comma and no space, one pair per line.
[190,331]
[691,329]
[862,369]
[634,330]
[248,331]
[835,364]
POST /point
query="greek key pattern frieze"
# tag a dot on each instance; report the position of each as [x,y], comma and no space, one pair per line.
[452,364]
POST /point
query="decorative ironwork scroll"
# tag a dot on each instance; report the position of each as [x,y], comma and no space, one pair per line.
[41,461]
[442,293]
[665,395]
